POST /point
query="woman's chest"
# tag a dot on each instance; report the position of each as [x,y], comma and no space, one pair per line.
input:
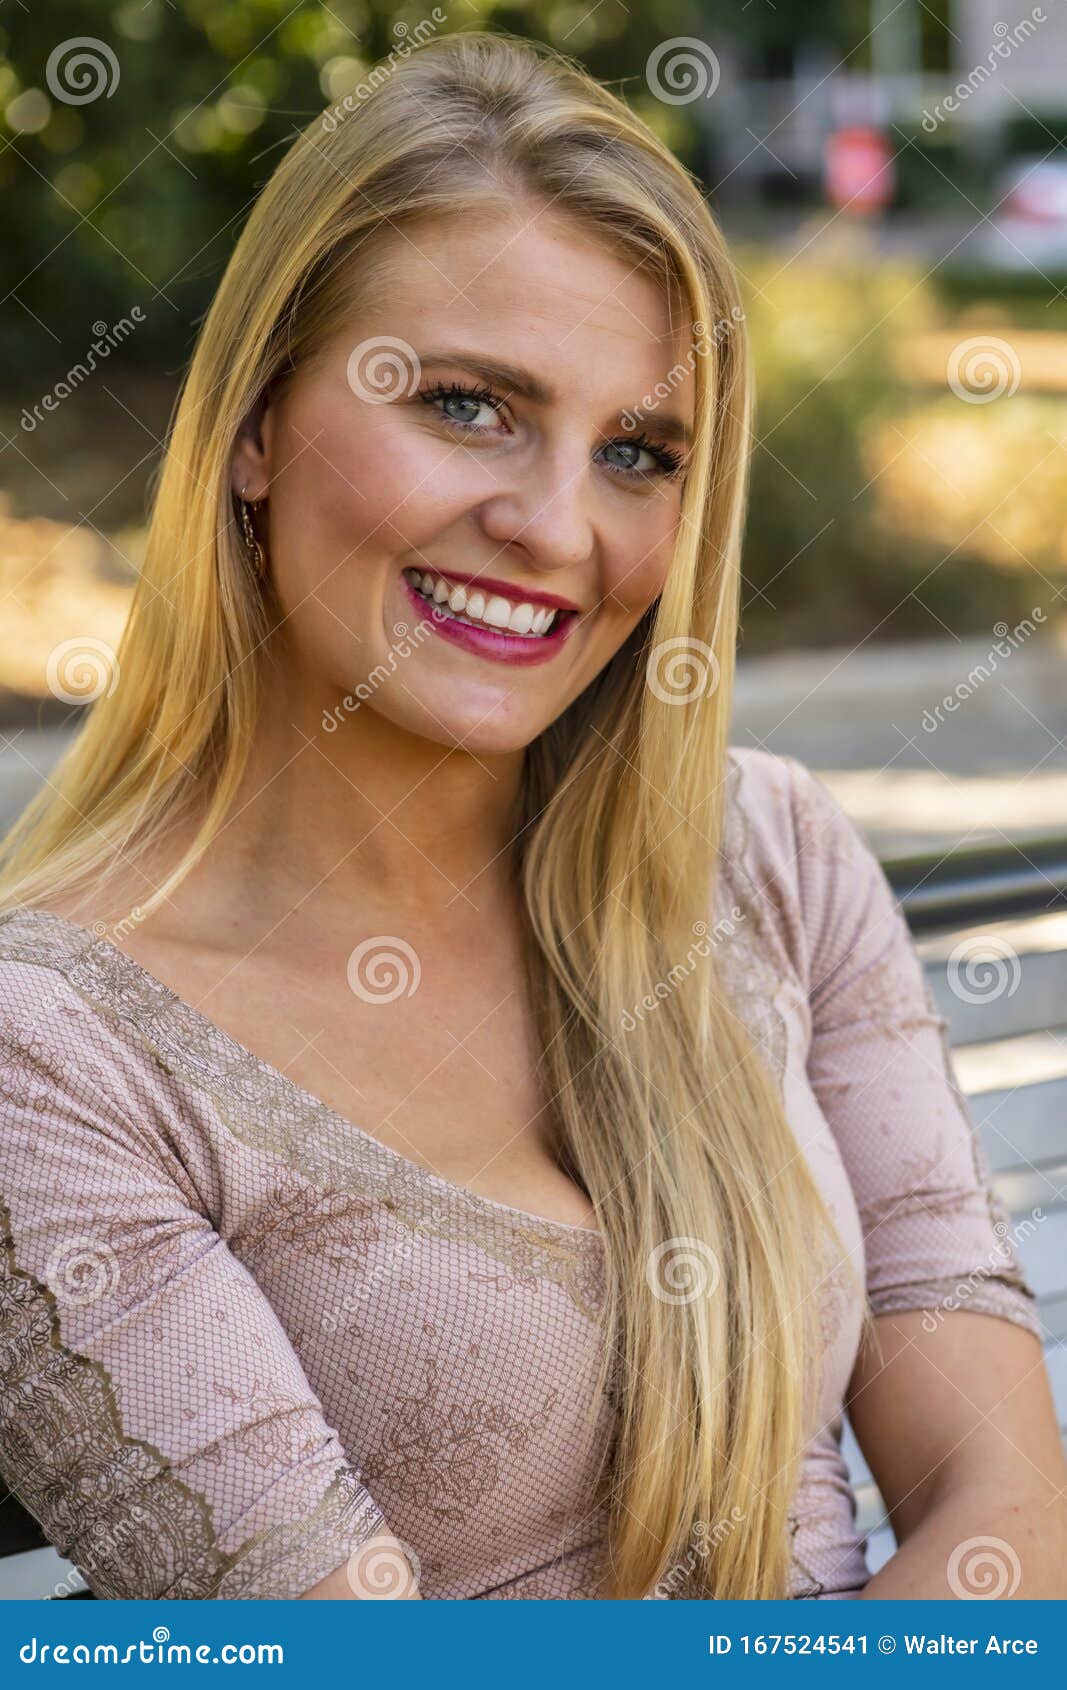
[454,1349]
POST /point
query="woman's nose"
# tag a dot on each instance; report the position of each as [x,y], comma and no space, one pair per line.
[544,510]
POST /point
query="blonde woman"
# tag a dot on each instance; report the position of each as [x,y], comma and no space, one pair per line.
[466,1130]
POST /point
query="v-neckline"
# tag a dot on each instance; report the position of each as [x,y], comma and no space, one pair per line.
[240,1055]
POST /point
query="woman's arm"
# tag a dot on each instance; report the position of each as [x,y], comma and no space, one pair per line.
[959,1429]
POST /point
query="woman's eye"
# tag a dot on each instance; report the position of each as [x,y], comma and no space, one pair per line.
[664,461]
[461,405]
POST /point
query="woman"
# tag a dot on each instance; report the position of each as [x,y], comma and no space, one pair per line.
[466,1129]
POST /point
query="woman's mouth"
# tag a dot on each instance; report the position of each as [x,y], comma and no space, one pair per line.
[507,630]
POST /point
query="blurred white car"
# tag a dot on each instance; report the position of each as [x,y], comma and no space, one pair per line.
[1028,229]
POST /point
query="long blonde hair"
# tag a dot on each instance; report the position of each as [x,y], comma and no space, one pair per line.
[676,1128]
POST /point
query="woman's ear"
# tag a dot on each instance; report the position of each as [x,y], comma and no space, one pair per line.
[250,469]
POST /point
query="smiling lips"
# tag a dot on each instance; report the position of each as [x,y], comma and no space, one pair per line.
[507,629]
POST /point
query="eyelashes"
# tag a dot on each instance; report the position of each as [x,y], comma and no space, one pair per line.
[670,462]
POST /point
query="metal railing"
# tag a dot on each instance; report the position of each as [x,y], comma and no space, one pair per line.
[980,883]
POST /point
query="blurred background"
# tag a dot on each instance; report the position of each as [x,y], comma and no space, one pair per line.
[892,176]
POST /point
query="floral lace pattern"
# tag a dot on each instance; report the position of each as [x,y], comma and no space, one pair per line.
[225,1305]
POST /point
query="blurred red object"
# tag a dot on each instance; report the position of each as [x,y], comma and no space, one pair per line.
[858,169]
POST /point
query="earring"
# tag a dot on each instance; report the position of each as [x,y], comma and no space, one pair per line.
[255,551]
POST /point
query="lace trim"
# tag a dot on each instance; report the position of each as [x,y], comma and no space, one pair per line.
[262,1108]
[110,1503]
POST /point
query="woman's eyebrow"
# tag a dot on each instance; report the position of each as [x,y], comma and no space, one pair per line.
[524,382]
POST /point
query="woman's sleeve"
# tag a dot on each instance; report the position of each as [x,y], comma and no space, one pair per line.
[935,1235]
[154,1416]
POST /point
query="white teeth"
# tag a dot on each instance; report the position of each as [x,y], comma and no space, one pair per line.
[525,619]
[498,612]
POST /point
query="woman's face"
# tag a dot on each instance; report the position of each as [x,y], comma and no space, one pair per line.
[384,477]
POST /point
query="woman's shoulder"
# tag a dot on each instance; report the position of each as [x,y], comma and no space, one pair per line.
[783,822]
[51,1016]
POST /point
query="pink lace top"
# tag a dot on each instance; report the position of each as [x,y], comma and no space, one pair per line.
[239,1336]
